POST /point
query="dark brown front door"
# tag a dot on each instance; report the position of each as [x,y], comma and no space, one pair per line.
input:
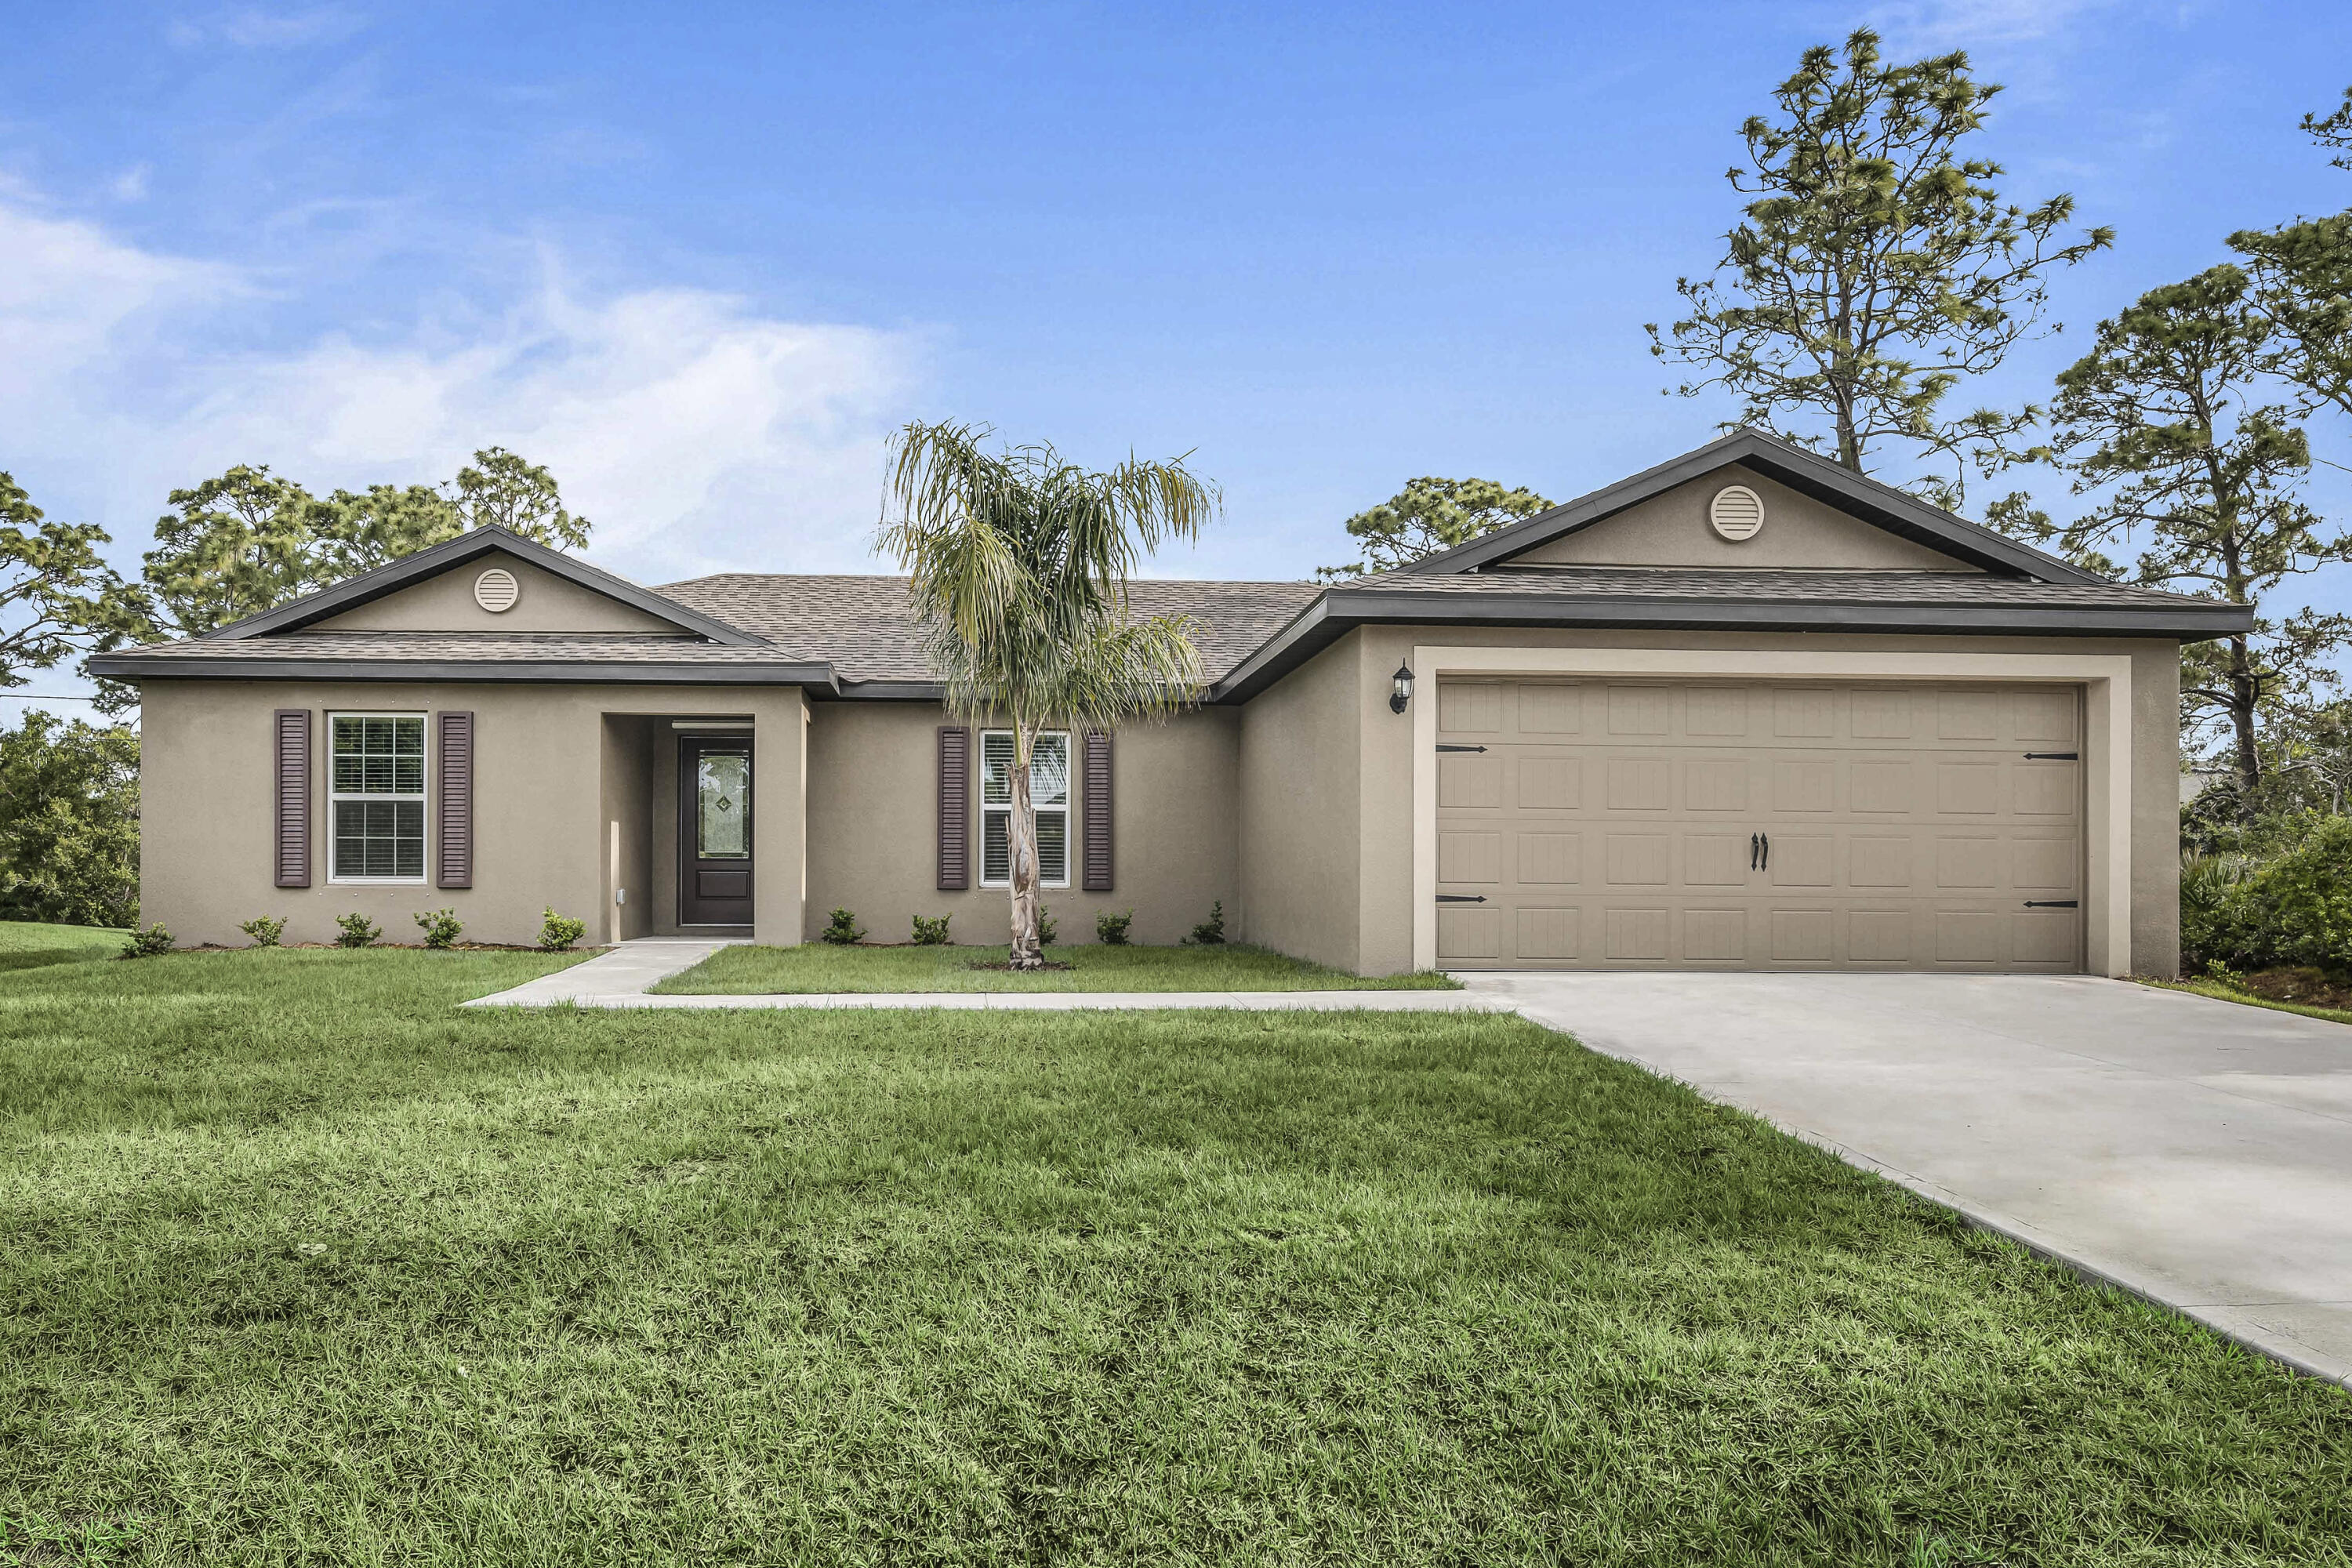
[714,830]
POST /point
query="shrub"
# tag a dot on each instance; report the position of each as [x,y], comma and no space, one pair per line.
[1110,926]
[843,931]
[357,931]
[932,931]
[1048,926]
[2302,901]
[265,930]
[557,932]
[2208,912]
[440,927]
[147,943]
[1210,932]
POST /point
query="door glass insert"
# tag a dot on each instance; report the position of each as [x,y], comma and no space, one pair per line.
[722,815]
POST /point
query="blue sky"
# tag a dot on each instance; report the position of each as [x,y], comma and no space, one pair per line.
[701,259]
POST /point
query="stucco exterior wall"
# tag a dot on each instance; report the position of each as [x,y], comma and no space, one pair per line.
[445,603]
[1672,529]
[552,775]
[1328,777]
[1303,852]
[874,813]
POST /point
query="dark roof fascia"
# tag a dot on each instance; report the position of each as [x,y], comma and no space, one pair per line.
[892,692]
[434,559]
[815,675]
[1807,473]
[1339,609]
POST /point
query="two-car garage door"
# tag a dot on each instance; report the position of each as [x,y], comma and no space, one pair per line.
[1756,825]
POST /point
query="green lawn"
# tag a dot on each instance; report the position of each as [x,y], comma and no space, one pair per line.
[817,967]
[26,945]
[300,1264]
[2221,992]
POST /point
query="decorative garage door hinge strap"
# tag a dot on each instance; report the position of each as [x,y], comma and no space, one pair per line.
[2054,903]
[2053,756]
[1461,898]
[1442,747]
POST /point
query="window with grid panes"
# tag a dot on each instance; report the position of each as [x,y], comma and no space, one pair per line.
[375,797]
[1049,794]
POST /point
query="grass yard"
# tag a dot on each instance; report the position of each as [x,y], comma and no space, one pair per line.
[301,1265]
[2215,989]
[26,944]
[750,970]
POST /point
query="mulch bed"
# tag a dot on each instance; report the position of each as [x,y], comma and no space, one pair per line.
[2306,987]
[1008,968]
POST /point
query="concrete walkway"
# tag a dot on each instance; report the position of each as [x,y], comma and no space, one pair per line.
[619,978]
[2196,1152]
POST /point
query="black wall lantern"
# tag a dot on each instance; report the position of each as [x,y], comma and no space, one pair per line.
[1401,692]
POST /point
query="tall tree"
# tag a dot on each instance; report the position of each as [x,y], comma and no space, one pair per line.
[69,822]
[1876,267]
[519,496]
[2303,276]
[2161,419]
[58,594]
[231,547]
[1430,515]
[1018,564]
[2333,130]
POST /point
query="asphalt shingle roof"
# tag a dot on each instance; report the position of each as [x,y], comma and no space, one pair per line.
[863,624]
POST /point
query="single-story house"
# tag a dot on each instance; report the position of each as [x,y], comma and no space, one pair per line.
[1745,709]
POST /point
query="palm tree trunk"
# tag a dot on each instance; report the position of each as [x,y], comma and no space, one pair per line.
[1021,841]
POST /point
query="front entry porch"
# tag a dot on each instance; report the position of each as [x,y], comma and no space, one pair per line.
[702,822]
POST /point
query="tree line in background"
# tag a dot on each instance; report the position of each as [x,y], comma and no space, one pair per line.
[229,547]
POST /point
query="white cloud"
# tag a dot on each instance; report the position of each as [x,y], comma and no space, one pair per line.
[258,27]
[1933,27]
[699,433]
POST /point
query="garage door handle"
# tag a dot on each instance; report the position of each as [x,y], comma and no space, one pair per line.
[2053,756]
[1751,851]
[1461,898]
[1447,748]
[1768,851]
[2054,903]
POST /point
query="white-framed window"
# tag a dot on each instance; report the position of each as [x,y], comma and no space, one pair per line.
[375,797]
[1049,794]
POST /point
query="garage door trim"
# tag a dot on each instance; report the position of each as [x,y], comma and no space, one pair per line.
[2105,678]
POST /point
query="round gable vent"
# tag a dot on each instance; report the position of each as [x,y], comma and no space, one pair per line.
[496,590]
[1736,512]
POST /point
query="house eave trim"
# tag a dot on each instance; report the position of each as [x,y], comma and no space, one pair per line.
[818,676]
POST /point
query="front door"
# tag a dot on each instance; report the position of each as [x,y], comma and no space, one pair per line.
[714,830]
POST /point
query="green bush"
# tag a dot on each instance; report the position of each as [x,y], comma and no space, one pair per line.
[440,927]
[357,931]
[265,930]
[1048,928]
[842,930]
[1210,932]
[2293,907]
[557,932]
[147,943]
[932,931]
[1110,926]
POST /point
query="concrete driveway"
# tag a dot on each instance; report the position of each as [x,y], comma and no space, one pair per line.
[2197,1152]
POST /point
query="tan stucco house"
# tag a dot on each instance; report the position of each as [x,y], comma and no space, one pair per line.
[1742,711]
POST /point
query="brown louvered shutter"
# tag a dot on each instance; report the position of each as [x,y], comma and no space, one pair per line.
[455,806]
[1095,812]
[955,808]
[292,762]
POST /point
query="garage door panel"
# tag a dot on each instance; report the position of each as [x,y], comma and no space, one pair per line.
[1548,858]
[1469,856]
[1549,933]
[1715,936]
[1551,784]
[1639,935]
[1616,824]
[1471,782]
[1715,861]
[1715,784]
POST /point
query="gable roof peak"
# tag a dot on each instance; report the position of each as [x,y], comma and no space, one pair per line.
[471,545]
[1869,500]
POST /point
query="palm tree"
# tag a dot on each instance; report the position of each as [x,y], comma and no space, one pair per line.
[1018,564]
